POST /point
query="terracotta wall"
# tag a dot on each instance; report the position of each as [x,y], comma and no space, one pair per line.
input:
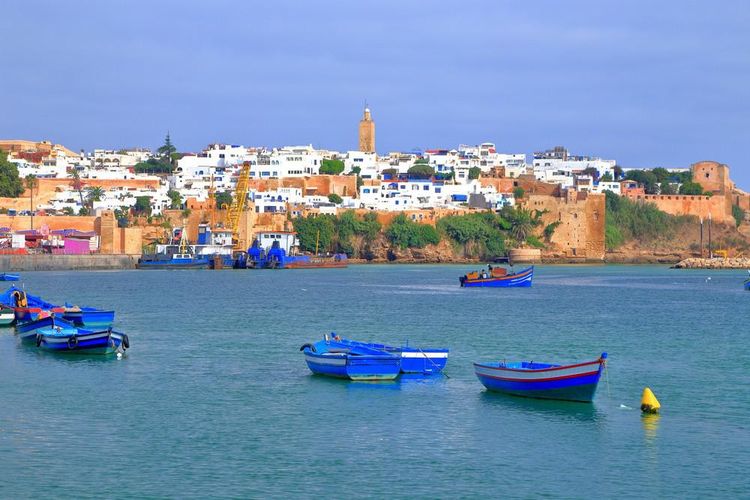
[59,222]
[712,176]
[580,232]
[343,185]
[718,206]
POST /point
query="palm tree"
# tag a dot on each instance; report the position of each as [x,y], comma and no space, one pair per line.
[31,182]
[522,223]
[77,184]
[94,193]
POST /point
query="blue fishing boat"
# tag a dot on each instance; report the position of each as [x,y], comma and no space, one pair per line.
[413,359]
[746,284]
[27,330]
[497,277]
[576,382]
[26,306]
[9,277]
[335,359]
[80,341]
[176,256]
[89,317]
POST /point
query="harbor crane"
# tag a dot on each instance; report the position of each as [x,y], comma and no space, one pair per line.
[238,204]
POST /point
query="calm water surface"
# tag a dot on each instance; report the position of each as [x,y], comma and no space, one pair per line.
[214,399]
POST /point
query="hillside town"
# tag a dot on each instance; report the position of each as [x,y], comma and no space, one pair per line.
[119,201]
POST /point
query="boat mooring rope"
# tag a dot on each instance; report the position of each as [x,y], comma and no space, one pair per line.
[431,361]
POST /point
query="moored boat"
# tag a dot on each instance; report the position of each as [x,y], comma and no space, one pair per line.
[80,341]
[27,330]
[7,315]
[414,360]
[9,277]
[88,316]
[497,277]
[335,359]
[26,306]
[575,382]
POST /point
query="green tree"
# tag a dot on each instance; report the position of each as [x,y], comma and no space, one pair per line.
[223,198]
[406,233]
[662,174]
[522,222]
[645,177]
[389,171]
[591,171]
[315,232]
[68,211]
[421,161]
[175,199]
[142,205]
[331,167]
[667,188]
[31,183]
[167,149]
[518,192]
[475,172]
[738,214]
[691,188]
[11,185]
[334,198]
[94,193]
[77,185]
[607,177]
[421,171]
[153,166]
[617,170]
[356,170]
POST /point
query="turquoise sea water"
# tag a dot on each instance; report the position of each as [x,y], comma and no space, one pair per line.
[214,399]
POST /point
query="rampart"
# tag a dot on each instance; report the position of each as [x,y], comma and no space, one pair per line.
[718,206]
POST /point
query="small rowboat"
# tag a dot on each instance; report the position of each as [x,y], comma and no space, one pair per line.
[413,359]
[575,382]
[9,277]
[498,278]
[7,315]
[89,317]
[335,359]
[80,341]
[28,330]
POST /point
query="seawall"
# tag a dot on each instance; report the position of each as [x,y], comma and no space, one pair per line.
[47,262]
[715,263]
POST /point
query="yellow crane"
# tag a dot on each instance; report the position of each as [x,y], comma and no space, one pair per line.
[238,204]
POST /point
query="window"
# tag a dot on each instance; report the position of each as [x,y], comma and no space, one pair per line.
[365,190]
[426,187]
[438,190]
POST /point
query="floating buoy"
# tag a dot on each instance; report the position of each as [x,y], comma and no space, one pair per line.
[649,403]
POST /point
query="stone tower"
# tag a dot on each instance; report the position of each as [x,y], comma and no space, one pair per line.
[367,132]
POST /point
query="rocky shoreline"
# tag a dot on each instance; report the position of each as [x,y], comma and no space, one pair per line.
[715,263]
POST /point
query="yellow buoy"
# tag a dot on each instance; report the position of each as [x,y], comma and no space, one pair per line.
[649,403]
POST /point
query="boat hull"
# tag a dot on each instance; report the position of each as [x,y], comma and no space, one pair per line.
[569,383]
[82,342]
[520,279]
[413,359]
[9,277]
[28,330]
[342,365]
[90,317]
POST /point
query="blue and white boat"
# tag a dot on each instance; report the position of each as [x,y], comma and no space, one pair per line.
[9,277]
[498,278]
[89,317]
[28,330]
[80,341]
[746,284]
[413,359]
[576,382]
[335,359]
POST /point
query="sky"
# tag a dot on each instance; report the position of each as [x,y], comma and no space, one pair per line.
[645,83]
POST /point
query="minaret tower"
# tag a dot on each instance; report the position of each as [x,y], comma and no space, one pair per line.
[367,132]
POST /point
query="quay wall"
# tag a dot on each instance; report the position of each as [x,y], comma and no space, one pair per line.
[48,262]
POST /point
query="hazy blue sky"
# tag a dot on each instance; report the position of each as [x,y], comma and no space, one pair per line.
[648,83]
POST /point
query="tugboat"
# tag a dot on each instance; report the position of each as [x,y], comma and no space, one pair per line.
[171,256]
